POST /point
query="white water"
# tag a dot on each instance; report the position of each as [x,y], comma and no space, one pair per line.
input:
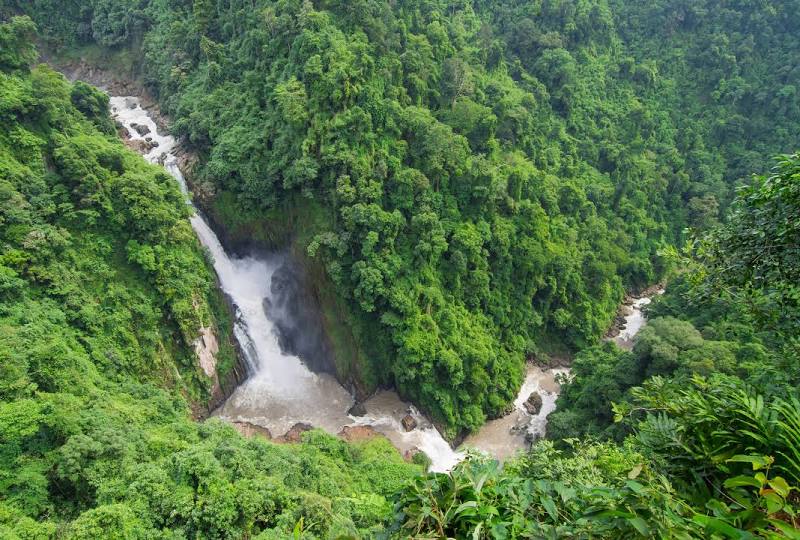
[634,321]
[505,436]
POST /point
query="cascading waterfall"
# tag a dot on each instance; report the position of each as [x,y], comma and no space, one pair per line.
[281,391]
[634,320]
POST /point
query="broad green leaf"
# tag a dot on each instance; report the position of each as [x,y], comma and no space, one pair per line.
[640,525]
[564,492]
[787,529]
[758,462]
[634,486]
[739,481]
[549,505]
[715,525]
[774,502]
[780,486]
[464,506]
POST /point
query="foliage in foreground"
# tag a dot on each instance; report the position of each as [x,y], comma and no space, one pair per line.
[711,459]
[706,404]
[732,311]
[90,450]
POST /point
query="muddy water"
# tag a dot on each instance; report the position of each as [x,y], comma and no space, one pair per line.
[513,432]
[505,436]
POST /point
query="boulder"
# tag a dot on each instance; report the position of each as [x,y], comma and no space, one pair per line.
[249,429]
[140,146]
[357,410]
[358,433]
[521,425]
[140,129]
[408,422]
[533,404]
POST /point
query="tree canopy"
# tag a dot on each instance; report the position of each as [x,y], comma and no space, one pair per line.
[493,175]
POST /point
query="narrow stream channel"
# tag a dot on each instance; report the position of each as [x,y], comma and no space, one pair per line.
[282,391]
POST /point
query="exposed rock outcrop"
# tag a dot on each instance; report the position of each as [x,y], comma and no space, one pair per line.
[357,410]
[141,129]
[248,429]
[358,433]
[140,146]
[206,347]
[294,435]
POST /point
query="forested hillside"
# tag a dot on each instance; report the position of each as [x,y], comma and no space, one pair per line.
[482,182]
[705,408]
[487,177]
[103,290]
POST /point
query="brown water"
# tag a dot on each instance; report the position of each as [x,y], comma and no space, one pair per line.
[281,390]
[504,437]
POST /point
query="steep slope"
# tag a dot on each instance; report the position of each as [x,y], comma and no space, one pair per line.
[481,180]
[103,291]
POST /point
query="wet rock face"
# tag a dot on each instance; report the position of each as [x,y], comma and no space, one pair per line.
[408,422]
[140,129]
[248,429]
[295,313]
[358,433]
[357,410]
[533,404]
[141,147]
[295,433]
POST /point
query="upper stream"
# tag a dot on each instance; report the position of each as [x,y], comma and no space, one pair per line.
[281,390]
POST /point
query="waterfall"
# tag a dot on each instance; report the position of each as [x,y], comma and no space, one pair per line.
[280,390]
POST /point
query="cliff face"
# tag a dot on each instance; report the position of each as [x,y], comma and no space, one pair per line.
[328,342]
[215,350]
[314,322]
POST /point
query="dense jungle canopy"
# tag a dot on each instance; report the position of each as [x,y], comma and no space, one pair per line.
[482,182]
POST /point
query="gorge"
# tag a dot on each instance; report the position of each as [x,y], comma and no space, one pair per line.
[373,269]
[281,390]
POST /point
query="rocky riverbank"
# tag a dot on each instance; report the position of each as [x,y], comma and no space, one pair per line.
[631,304]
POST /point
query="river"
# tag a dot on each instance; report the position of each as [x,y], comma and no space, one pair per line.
[281,390]
[635,318]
